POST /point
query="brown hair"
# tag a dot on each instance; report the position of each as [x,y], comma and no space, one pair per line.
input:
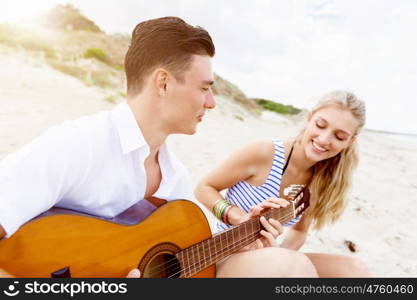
[166,42]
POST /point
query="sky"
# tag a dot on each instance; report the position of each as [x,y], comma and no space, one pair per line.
[290,51]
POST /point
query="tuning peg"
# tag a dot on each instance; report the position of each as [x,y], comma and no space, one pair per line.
[292,190]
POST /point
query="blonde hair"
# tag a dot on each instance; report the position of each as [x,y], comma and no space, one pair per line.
[332,177]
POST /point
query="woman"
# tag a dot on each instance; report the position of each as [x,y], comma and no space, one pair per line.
[321,157]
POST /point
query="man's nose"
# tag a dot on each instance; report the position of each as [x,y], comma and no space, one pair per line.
[210,100]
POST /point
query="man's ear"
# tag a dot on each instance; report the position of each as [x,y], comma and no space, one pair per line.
[160,81]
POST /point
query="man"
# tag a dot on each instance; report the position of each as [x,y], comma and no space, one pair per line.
[105,163]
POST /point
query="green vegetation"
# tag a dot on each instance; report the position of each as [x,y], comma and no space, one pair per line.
[230,91]
[119,67]
[67,17]
[68,69]
[69,36]
[255,111]
[122,94]
[101,55]
[96,53]
[103,80]
[18,36]
[50,54]
[111,98]
[278,107]
[239,117]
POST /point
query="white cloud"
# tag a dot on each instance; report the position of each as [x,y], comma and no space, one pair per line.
[294,51]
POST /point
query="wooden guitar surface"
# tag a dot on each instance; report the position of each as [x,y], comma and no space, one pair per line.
[94,247]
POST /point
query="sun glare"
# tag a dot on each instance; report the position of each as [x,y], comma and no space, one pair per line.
[24,10]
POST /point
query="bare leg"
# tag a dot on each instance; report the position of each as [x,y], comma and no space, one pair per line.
[266,262]
[334,265]
[4,274]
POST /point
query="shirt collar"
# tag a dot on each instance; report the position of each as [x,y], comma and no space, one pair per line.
[130,134]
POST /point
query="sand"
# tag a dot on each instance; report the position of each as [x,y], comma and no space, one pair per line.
[380,218]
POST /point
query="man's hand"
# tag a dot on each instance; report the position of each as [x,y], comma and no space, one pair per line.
[4,274]
[135,273]
[2,232]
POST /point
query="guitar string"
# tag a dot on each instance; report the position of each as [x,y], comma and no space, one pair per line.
[228,251]
[175,264]
[232,246]
[226,239]
[227,248]
[194,267]
[291,213]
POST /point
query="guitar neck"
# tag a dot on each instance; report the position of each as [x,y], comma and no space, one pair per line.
[206,253]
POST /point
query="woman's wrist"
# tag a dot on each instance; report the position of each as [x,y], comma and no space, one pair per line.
[219,209]
[235,215]
[227,213]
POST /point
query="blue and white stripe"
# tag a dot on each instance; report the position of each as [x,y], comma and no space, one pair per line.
[245,195]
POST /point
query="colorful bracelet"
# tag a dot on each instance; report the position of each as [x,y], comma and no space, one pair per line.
[226,215]
[221,209]
[218,208]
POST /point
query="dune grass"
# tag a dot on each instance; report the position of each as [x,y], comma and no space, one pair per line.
[18,36]
[278,107]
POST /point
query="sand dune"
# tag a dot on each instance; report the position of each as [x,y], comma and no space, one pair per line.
[380,218]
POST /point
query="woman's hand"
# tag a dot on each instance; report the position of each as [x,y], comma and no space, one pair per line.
[272,228]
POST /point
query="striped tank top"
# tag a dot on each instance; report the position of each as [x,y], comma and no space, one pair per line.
[245,195]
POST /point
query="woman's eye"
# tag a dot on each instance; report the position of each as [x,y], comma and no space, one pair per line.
[319,125]
[205,89]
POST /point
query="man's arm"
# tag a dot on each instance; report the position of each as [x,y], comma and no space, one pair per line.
[48,167]
[3,273]
[2,232]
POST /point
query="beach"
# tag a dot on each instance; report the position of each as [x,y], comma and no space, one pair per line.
[380,218]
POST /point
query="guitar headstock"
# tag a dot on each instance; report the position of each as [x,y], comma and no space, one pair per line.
[299,196]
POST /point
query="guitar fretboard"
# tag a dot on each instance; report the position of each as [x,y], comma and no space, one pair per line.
[206,253]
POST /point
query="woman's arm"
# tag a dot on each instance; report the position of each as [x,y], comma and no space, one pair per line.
[245,163]
[297,234]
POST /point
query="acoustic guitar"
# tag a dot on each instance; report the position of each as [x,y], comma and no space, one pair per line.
[174,241]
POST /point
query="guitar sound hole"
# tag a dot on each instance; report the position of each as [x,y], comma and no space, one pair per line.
[163,266]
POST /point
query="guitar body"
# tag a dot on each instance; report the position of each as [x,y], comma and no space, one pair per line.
[93,247]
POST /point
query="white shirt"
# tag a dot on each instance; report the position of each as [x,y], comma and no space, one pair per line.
[94,165]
